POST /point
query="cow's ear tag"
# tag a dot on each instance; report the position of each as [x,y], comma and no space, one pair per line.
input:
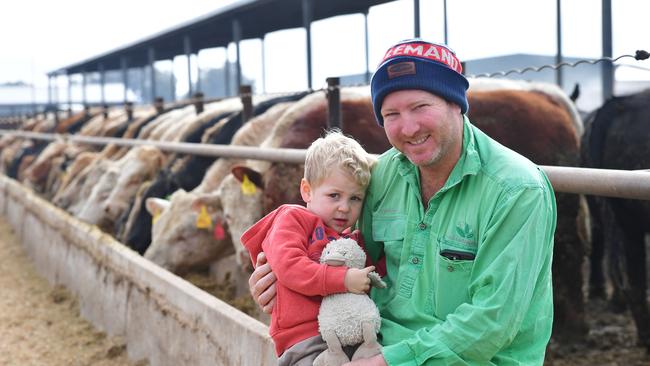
[155,217]
[247,187]
[203,221]
[219,233]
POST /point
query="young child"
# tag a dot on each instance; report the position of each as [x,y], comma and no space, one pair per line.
[337,172]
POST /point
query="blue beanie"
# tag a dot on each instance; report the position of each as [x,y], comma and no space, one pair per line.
[416,64]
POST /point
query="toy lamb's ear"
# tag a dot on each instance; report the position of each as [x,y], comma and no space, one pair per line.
[375,280]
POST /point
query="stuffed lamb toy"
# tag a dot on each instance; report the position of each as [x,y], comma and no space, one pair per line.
[348,319]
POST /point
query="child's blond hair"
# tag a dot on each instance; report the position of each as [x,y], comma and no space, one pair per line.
[336,150]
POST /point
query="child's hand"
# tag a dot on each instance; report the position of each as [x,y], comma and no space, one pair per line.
[357,280]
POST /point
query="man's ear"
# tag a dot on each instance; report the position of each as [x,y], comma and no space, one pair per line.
[305,190]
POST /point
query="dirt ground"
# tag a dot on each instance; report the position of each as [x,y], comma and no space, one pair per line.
[39,324]
[611,341]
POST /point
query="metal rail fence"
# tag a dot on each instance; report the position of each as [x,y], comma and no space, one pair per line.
[599,182]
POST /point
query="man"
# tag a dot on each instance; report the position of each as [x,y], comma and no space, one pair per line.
[466,226]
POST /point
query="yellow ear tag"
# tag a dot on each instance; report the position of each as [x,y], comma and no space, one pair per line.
[155,217]
[247,187]
[203,221]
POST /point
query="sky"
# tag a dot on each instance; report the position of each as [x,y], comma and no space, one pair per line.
[41,36]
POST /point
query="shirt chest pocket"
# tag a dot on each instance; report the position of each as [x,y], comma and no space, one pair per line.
[452,269]
[390,231]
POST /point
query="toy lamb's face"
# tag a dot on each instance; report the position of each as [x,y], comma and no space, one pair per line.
[343,252]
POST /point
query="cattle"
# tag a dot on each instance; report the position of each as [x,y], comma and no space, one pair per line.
[49,164]
[73,123]
[36,174]
[187,173]
[83,193]
[208,193]
[180,173]
[118,185]
[617,136]
[242,209]
[195,246]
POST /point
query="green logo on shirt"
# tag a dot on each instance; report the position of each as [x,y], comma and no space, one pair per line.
[464,231]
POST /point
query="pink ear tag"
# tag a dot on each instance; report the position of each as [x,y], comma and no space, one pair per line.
[219,233]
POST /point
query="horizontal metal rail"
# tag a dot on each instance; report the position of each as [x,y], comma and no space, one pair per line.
[599,182]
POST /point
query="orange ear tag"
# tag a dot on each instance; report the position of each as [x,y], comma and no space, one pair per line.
[203,221]
[219,233]
[155,217]
[247,187]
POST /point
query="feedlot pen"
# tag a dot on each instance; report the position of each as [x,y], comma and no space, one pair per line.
[162,317]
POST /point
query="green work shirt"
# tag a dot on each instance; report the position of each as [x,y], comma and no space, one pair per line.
[469,277]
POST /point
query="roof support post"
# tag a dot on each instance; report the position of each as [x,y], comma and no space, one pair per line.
[151,52]
[236,37]
[416,18]
[143,87]
[56,99]
[83,88]
[444,12]
[307,16]
[56,90]
[226,75]
[198,74]
[187,45]
[607,68]
[558,56]
[69,94]
[125,77]
[263,66]
[49,89]
[367,45]
[172,81]
[102,79]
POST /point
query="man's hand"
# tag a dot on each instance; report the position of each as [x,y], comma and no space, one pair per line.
[262,284]
[357,280]
[372,361]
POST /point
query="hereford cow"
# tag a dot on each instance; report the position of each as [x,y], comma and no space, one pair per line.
[182,172]
[118,185]
[617,136]
[134,227]
[170,230]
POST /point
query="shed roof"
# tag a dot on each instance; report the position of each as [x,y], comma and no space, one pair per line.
[215,29]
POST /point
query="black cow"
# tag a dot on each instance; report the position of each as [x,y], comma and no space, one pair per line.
[617,136]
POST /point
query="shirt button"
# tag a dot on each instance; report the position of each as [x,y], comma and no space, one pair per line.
[450,268]
[415,260]
[423,226]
